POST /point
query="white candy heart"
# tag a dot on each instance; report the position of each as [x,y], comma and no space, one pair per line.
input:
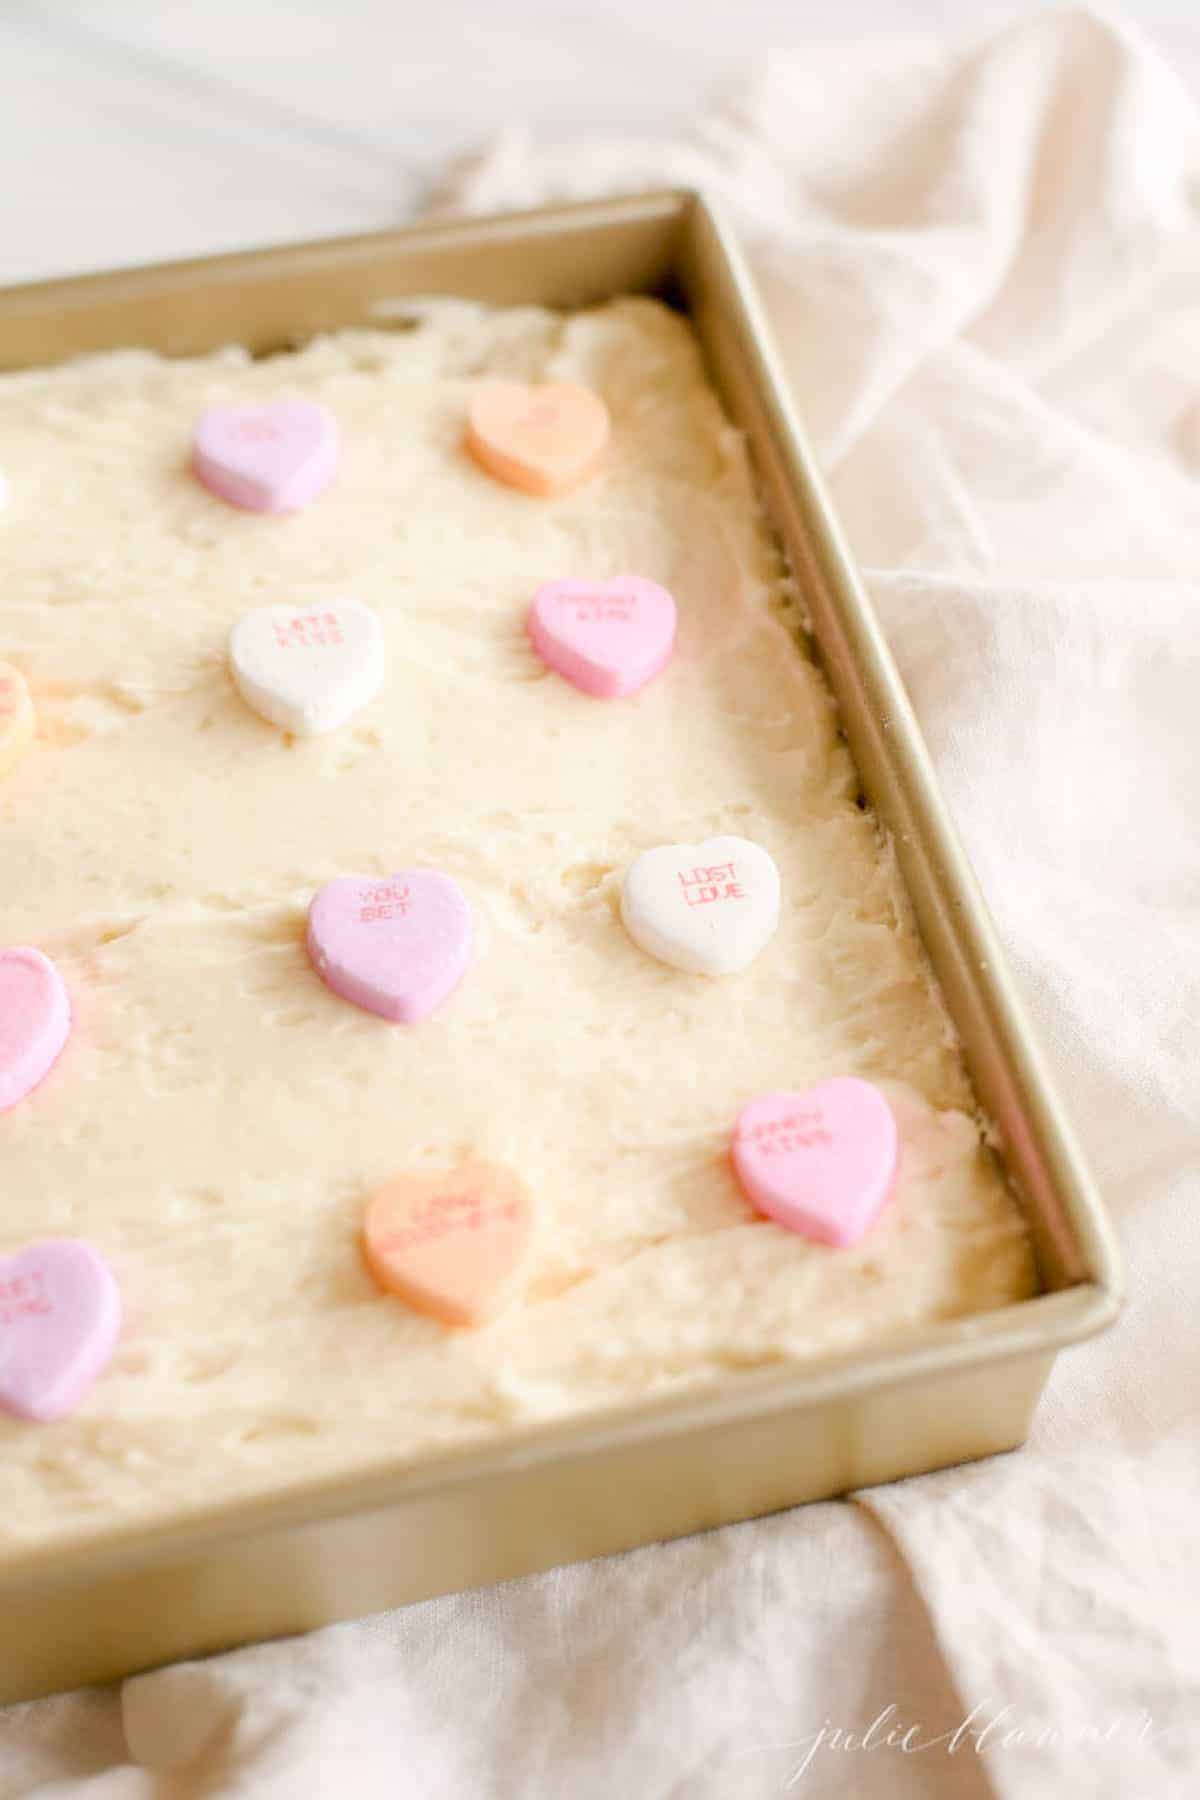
[308,669]
[708,908]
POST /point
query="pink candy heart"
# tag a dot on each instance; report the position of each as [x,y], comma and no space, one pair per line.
[607,637]
[35,1021]
[821,1163]
[397,945]
[60,1317]
[269,459]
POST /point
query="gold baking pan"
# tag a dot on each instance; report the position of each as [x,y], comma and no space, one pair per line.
[128,1598]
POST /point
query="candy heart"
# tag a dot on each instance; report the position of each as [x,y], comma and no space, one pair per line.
[60,1316]
[449,1243]
[821,1162]
[708,908]
[396,946]
[308,669]
[543,439]
[268,459]
[17,718]
[608,637]
[35,1021]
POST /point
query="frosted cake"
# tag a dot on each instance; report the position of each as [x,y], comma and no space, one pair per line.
[219,1117]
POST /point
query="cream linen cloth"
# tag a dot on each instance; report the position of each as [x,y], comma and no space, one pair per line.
[983,264]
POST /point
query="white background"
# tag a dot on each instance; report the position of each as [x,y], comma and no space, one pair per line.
[132,130]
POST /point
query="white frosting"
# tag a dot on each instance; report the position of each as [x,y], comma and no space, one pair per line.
[219,1117]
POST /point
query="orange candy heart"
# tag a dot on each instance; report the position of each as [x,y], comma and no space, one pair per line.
[17,718]
[449,1242]
[542,439]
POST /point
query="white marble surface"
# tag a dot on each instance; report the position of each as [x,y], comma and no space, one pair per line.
[139,129]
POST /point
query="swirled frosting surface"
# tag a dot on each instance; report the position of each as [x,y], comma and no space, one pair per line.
[219,1117]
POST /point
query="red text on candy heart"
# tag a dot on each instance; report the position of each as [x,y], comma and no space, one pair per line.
[543,416]
[603,609]
[442,1215]
[390,900]
[309,631]
[798,1130]
[701,887]
[255,431]
[23,1297]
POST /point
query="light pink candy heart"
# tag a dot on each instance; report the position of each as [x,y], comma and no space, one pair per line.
[60,1317]
[607,637]
[35,1021]
[821,1163]
[269,459]
[397,945]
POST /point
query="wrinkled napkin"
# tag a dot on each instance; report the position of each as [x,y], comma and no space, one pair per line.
[982,260]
